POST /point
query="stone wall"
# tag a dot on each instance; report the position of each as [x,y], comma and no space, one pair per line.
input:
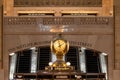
[0,34]
[91,32]
[117,34]
[116,72]
[105,10]
[1,64]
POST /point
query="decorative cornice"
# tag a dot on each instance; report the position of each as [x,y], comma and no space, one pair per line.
[57,20]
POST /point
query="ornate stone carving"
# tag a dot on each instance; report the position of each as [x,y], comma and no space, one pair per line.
[20,20]
[59,3]
[57,20]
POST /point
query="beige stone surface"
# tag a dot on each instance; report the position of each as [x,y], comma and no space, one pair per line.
[0,38]
[116,74]
[117,34]
[107,7]
[8,7]
[1,74]
[0,33]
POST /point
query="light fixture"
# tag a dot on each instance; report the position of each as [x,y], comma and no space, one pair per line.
[50,63]
[32,48]
[11,54]
[104,54]
[68,63]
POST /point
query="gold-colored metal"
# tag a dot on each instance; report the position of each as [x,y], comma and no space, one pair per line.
[59,47]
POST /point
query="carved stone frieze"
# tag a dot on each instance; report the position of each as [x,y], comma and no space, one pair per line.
[57,20]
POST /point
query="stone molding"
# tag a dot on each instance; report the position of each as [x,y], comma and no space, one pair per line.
[57,20]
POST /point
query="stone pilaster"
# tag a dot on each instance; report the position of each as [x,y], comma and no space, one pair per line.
[117,34]
[116,71]
[9,7]
[107,7]
[0,34]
